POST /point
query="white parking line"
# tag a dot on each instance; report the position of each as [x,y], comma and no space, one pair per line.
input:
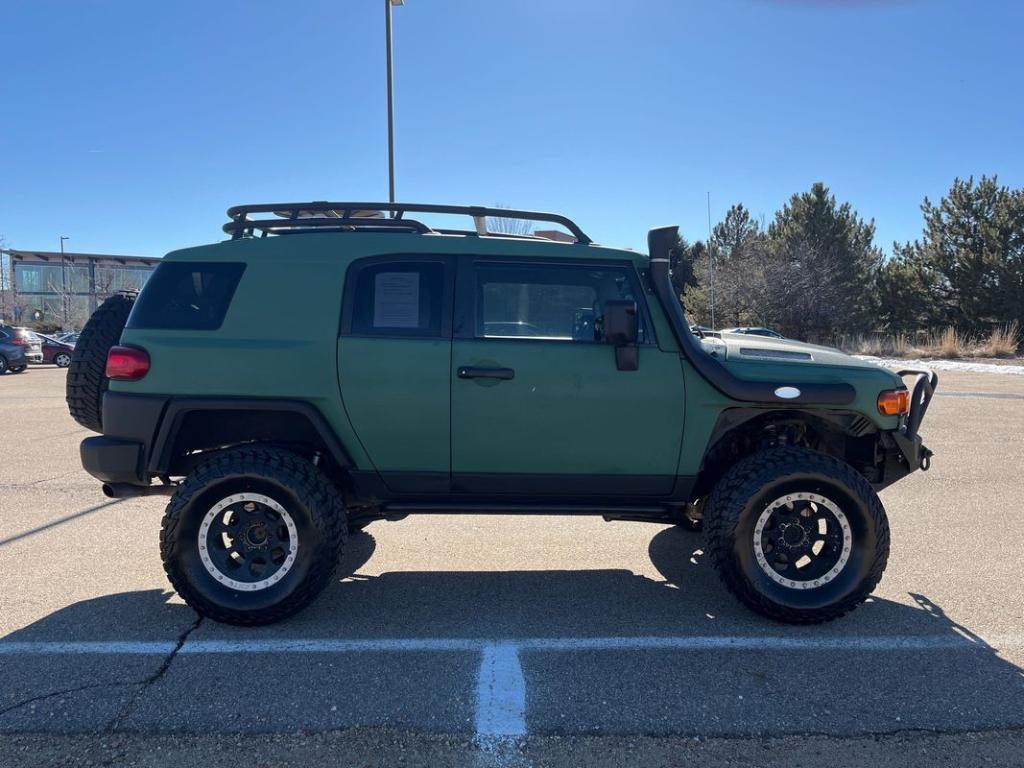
[501,692]
[500,708]
[501,684]
[878,643]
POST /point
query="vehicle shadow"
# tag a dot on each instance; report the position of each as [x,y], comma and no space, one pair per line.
[686,601]
[964,679]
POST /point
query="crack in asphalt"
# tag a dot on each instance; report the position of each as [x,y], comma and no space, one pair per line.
[63,692]
[143,685]
[146,684]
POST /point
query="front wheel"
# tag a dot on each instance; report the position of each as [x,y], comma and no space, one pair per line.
[62,359]
[796,535]
[252,536]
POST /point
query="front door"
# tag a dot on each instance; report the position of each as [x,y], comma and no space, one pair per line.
[538,404]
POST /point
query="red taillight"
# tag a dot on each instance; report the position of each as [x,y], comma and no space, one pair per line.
[19,342]
[127,363]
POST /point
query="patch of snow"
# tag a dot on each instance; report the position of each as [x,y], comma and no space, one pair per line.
[945,365]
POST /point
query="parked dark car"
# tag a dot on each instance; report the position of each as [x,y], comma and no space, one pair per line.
[18,348]
[56,352]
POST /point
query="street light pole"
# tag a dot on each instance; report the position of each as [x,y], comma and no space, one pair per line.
[391,106]
[64,283]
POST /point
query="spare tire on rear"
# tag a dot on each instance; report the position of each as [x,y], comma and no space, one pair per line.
[87,380]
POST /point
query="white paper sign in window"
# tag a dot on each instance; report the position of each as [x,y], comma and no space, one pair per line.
[396,300]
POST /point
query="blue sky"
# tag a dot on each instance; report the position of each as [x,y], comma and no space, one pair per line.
[130,126]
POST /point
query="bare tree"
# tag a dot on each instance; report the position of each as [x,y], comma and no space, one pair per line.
[509,226]
[6,291]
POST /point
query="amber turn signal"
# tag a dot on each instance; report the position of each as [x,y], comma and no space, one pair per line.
[893,402]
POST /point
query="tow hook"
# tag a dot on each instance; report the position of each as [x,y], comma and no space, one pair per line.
[926,460]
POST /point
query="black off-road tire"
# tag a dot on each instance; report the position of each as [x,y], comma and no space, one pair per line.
[3,365]
[745,491]
[309,497]
[87,381]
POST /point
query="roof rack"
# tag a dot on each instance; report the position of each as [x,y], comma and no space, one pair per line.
[321,215]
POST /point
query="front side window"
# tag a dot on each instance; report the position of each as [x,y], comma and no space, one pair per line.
[398,298]
[548,302]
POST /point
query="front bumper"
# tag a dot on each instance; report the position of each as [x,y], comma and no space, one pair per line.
[906,452]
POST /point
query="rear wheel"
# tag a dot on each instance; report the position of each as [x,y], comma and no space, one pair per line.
[87,380]
[252,536]
[3,365]
[796,535]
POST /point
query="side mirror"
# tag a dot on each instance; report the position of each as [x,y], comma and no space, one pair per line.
[621,329]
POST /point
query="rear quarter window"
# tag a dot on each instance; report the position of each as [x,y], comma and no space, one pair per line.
[186,296]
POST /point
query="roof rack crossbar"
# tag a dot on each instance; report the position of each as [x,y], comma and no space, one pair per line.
[242,227]
[296,216]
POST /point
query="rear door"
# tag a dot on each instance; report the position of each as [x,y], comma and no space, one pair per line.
[394,367]
[538,404]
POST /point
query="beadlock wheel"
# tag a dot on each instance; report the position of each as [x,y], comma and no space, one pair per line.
[802,540]
[252,535]
[248,541]
[796,535]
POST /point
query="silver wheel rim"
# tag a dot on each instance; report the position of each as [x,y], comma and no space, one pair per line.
[63,361]
[223,578]
[841,521]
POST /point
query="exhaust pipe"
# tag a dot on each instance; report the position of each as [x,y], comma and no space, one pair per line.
[127,490]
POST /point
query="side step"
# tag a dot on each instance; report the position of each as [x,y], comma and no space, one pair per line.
[653,513]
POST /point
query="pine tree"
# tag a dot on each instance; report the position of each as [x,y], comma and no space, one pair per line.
[823,267]
[969,264]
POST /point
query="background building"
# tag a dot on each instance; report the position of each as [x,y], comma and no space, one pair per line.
[66,289]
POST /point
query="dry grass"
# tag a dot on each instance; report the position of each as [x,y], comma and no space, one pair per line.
[946,344]
[1003,342]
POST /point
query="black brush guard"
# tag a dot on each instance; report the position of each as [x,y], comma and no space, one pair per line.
[906,437]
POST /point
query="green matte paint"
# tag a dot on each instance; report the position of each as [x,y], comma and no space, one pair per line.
[568,410]
[397,393]
[396,404]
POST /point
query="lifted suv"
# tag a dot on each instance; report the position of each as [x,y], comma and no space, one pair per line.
[444,370]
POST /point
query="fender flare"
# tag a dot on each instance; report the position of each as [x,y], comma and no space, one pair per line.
[177,408]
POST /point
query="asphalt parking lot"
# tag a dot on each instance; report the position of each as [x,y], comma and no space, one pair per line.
[513,641]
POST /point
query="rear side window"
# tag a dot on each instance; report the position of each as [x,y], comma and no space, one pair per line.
[397,298]
[186,296]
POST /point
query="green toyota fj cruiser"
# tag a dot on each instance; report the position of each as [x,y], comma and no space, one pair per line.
[329,366]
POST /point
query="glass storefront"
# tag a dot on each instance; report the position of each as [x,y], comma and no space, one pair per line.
[51,278]
[69,294]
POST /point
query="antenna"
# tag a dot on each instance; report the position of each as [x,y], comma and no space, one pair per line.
[711,264]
